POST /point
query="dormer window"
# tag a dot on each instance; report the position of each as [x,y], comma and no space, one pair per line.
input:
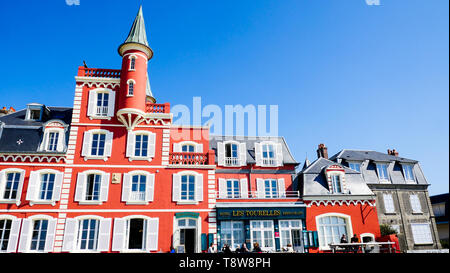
[231,153]
[34,112]
[355,166]
[382,172]
[268,154]
[54,137]
[335,175]
[336,183]
[408,173]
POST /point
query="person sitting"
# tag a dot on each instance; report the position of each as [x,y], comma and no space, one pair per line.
[256,248]
[344,241]
[243,249]
[354,240]
[289,248]
[226,249]
[211,248]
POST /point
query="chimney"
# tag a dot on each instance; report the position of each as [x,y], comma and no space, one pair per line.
[322,151]
[392,152]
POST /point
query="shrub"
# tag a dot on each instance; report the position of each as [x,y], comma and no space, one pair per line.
[387,230]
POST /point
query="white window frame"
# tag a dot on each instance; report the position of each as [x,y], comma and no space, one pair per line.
[239,161]
[27,230]
[131,83]
[87,144]
[14,232]
[223,188]
[421,239]
[176,188]
[60,144]
[3,180]
[121,235]
[231,231]
[261,188]
[278,154]
[198,231]
[132,66]
[72,242]
[329,173]
[35,184]
[388,201]
[348,221]
[354,163]
[92,104]
[127,188]
[406,175]
[289,229]
[379,166]
[131,145]
[261,229]
[80,190]
[416,206]
[178,147]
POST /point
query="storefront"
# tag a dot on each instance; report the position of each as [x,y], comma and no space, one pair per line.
[272,226]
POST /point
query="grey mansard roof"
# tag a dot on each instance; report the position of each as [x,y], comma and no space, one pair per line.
[368,160]
[250,145]
[18,135]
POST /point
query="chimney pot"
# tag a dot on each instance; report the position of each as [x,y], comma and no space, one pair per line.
[322,151]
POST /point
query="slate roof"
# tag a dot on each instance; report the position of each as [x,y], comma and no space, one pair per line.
[371,155]
[250,145]
[18,135]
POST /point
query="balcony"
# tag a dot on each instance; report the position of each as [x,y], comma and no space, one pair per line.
[192,158]
[232,161]
[102,111]
[258,195]
[98,72]
[157,108]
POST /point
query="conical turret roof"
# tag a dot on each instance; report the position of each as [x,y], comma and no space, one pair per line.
[137,33]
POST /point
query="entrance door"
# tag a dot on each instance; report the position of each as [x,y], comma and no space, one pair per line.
[296,239]
[187,238]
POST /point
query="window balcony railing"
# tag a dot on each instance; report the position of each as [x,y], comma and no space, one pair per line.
[157,108]
[232,161]
[269,162]
[188,159]
[102,111]
[257,195]
[99,72]
[137,196]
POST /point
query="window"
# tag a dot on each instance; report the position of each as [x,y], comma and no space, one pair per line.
[140,145]
[382,172]
[270,188]
[231,154]
[39,235]
[232,234]
[5,231]
[388,203]
[408,173]
[233,190]
[101,103]
[286,231]
[11,182]
[415,203]
[92,187]
[35,111]
[44,187]
[130,88]
[262,233]
[355,166]
[135,234]
[336,183]
[97,144]
[188,148]
[421,233]
[331,228]
[88,234]
[138,187]
[132,63]
[268,154]
[35,114]
[187,187]
[52,141]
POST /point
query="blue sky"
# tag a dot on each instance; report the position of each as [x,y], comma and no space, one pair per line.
[341,72]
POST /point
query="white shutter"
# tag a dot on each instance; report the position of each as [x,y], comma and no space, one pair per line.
[258,154]
[92,103]
[24,234]
[131,140]
[151,144]
[57,186]
[281,188]
[50,239]
[104,233]
[150,188]
[222,188]
[176,148]
[279,154]
[111,103]
[14,235]
[199,187]
[87,141]
[19,189]
[176,187]
[61,141]
[126,187]
[3,180]
[80,188]
[118,243]
[108,143]
[70,233]
[243,154]
[244,187]
[220,154]
[199,148]
[104,188]
[152,234]
[260,187]
[33,186]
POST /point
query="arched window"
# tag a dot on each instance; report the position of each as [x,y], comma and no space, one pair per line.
[130,88]
[132,63]
[331,227]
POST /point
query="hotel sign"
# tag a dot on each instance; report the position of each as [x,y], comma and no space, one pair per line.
[260,213]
